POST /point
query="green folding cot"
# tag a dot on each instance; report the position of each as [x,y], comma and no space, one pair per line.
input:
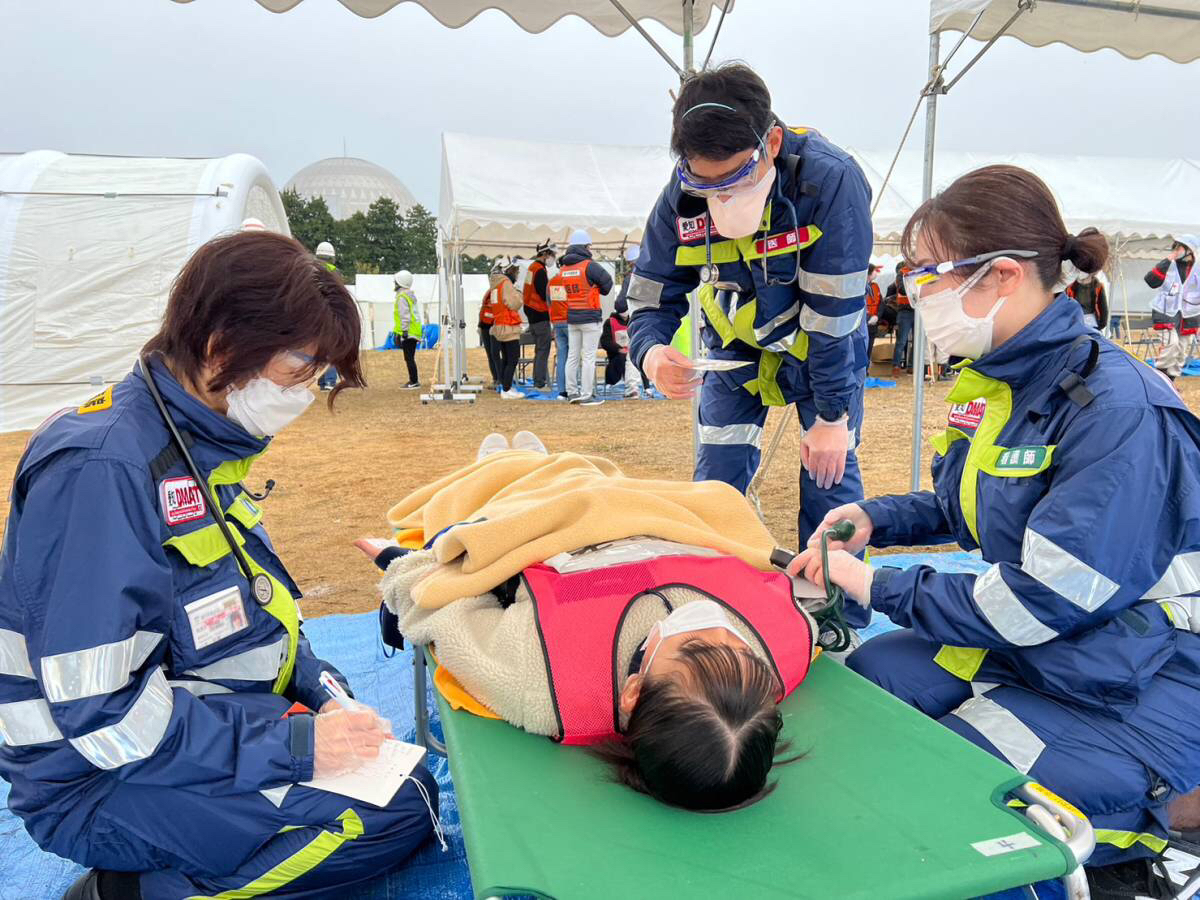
[886,803]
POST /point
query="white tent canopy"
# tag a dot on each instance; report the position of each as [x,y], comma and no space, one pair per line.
[1124,197]
[504,196]
[89,246]
[1135,29]
[533,15]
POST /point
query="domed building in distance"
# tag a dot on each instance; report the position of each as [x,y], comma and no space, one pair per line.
[349,185]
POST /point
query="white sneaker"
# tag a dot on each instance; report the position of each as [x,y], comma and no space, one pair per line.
[632,393]
[493,443]
[591,400]
[527,440]
[512,394]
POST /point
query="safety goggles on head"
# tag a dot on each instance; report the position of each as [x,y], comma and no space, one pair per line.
[919,279]
[741,180]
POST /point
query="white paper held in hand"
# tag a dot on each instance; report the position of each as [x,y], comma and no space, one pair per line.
[377,781]
[708,364]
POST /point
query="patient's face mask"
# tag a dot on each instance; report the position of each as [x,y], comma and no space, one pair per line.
[694,616]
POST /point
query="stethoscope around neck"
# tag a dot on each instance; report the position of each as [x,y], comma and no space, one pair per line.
[260,585]
[710,273]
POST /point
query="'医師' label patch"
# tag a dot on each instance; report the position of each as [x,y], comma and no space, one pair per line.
[1022,458]
[182,500]
[100,402]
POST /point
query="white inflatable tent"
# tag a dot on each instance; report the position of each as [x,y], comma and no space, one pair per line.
[504,196]
[1138,203]
[89,246]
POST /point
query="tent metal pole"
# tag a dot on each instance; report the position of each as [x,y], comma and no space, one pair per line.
[918,354]
[644,33]
[693,299]
[1022,7]
[688,37]
[1125,6]
[716,34]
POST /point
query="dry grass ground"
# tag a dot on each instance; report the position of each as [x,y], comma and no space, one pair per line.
[337,474]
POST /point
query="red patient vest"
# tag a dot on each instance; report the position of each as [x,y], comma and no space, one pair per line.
[579,617]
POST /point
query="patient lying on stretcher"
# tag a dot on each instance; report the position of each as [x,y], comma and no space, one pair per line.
[640,617]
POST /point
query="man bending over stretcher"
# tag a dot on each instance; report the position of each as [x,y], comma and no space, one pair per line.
[640,617]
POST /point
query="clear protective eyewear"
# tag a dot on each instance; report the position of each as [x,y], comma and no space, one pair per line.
[303,366]
[741,180]
[917,279]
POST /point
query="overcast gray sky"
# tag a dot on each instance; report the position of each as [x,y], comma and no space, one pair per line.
[152,77]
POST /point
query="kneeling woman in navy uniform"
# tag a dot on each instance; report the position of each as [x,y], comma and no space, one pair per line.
[1073,468]
[671,670]
[150,640]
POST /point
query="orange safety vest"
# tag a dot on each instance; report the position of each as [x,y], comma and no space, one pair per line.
[581,293]
[557,291]
[487,315]
[532,298]
[873,299]
[503,315]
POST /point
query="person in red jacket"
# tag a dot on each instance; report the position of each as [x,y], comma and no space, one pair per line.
[1088,291]
[537,311]
[874,300]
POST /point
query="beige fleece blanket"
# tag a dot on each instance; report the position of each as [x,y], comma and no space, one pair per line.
[516,508]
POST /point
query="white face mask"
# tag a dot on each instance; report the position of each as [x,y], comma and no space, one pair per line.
[263,407]
[740,214]
[694,616]
[949,327]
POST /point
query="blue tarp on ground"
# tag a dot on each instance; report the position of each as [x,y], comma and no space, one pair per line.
[352,644]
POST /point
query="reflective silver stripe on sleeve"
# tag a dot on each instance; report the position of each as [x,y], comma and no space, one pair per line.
[14,658]
[276,794]
[789,313]
[834,326]
[27,722]
[785,343]
[200,688]
[1004,731]
[1181,577]
[844,287]
[731,434]
[643,293]
[137,735]
[97,670]
[259,664]
[1063,573]
[1006,613]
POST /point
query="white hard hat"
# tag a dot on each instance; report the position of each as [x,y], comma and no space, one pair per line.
[632,252]
[403,278]
[500,263]
[580,238]
[252,224]
[546,247]
[325,249]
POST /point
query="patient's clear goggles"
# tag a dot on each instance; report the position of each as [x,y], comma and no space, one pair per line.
[917,279]
[741,180]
